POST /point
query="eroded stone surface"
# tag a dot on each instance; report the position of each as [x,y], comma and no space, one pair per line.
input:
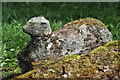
[77,37]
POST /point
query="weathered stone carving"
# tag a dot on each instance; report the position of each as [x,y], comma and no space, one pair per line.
[77,37]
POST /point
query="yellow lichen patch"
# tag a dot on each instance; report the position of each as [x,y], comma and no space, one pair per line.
[91,21]
[100,63]
[87,21]
[27,75]
[113,43]
[102,48]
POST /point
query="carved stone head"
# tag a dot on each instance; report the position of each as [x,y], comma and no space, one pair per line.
[37,26]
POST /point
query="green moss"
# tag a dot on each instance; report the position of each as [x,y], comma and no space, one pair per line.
[99,49]
[80,66]
[90,21]
[26,75]
[113,43]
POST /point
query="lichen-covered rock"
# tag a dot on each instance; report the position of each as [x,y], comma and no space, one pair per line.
[77,37]
[101,63]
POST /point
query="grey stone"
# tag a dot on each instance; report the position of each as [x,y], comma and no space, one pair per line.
[77,37]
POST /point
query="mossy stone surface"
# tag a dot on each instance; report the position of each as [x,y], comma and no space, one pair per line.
[102,62]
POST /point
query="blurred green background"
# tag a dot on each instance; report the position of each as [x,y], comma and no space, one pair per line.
[15,15]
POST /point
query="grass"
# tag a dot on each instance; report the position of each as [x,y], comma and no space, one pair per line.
[15,15]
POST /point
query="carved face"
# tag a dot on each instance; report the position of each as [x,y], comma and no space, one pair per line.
[37,26]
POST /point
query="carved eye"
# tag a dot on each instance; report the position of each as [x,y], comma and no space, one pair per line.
[29,23]
[43,23]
